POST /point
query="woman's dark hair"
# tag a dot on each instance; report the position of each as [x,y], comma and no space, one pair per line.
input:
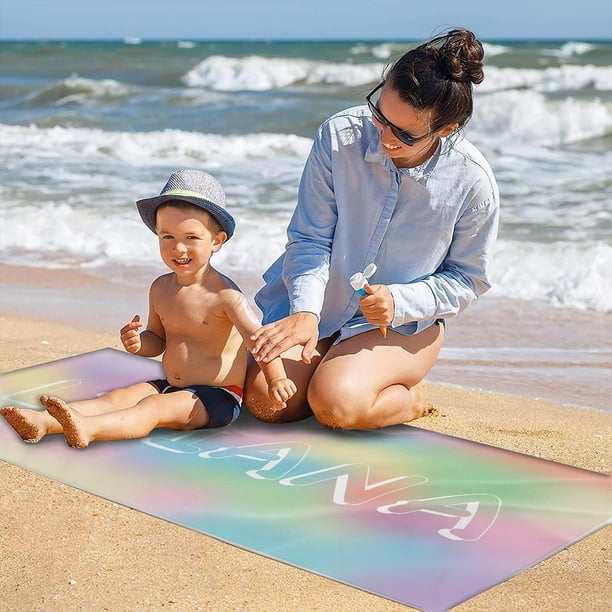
[439,74]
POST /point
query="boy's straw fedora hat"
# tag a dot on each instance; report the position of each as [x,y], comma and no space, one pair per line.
[196,187]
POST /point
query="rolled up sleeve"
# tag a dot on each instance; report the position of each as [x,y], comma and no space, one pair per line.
[463,275]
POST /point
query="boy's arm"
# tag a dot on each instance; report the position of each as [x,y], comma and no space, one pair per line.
[152,341]
[240,313]
[280,388]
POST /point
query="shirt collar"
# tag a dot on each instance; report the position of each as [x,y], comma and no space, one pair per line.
[374,153]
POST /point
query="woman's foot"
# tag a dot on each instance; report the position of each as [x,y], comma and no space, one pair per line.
[420,407]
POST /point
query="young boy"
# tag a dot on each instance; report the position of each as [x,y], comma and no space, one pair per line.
[198,319]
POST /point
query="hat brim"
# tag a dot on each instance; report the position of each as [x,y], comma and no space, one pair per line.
[148,210]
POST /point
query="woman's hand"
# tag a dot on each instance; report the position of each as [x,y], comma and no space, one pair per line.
[300,328]
[378,306]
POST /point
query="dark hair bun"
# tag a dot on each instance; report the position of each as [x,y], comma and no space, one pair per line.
[439,75]
[460,55]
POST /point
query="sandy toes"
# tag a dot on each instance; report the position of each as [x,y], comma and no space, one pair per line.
[422,407]
[69,421]
[17,419]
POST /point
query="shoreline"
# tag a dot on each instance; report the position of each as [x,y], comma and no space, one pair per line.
[129,560]
[520,348]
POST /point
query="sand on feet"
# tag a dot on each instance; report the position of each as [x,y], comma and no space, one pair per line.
[68,419]
[16,418]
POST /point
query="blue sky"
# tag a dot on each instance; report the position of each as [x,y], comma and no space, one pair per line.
[306,19]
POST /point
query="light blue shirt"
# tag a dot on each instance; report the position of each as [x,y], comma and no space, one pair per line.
[430,231]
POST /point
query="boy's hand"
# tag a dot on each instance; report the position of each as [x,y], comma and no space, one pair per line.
[130,336]
[280,390]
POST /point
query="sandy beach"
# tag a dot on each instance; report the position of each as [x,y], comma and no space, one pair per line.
[64,549]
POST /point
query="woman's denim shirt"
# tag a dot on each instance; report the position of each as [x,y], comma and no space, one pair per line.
[430,231]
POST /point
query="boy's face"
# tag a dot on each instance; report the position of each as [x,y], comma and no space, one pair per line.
[187,239]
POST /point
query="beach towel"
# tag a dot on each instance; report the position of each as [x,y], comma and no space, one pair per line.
[419,517]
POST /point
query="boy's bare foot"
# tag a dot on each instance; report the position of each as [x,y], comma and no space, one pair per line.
[18,420]
[69,420]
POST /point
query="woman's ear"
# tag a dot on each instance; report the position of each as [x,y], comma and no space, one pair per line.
[218,240]
[449,129]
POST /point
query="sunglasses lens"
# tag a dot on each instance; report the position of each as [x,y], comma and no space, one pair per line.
[376,114]
[403,137]
[399,134]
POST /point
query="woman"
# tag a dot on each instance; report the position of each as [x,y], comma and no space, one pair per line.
[389,183]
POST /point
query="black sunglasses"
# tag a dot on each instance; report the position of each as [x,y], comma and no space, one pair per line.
[400,134]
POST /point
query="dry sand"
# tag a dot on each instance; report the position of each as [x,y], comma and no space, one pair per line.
[63,549]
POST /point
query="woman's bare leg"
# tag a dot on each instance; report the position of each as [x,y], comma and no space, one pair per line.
[256,397]
[368,383]
[33,425]
[180,410]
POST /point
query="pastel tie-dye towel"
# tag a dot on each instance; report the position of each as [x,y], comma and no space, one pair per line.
[419,517]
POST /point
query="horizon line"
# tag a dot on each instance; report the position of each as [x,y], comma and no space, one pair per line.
[141,39]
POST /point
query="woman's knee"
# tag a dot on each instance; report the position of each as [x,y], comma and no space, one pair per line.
[337,403]
[262,408]
[259,404]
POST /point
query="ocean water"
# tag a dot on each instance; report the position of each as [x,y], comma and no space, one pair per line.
[86,128]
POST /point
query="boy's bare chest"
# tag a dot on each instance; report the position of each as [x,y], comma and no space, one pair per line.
[191,313]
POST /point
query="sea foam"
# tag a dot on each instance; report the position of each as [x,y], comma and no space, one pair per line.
[552,79]
[147,147]
[561,273]
[256,73]
[532,117]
